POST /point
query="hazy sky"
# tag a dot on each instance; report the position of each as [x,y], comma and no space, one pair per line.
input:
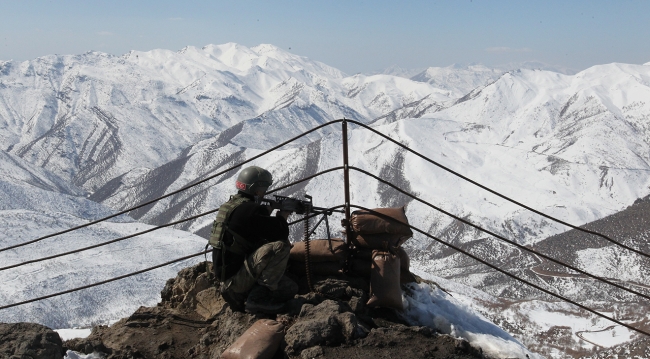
[354,36]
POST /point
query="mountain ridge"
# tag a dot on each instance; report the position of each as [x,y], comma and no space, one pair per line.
[114,131]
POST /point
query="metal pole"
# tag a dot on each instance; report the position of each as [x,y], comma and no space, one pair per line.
[346,180]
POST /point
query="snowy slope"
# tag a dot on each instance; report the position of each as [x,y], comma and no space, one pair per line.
[396,70]
[557,329]
[95,305]
[457,79]
[430,306]
[34,203]
[461,79]
[571,146]
[84,117]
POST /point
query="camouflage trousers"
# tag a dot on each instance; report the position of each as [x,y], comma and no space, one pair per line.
[266,267]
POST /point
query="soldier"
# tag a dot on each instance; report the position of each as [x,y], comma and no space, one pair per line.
[251,248]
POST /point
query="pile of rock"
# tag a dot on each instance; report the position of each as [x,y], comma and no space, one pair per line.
[192,321]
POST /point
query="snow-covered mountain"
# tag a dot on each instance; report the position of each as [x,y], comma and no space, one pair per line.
[457,79]
[396,70]
[86,117]
[89,134]
[571,146]
[460,79]
[35,203]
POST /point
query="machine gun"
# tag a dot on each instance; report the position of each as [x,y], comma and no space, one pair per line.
[289,204]
[304,207]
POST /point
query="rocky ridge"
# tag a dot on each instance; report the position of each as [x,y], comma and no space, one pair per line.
[192,321]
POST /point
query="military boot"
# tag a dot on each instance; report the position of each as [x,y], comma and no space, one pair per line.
[264,300]
[286,290]
[260,300]
[235,300]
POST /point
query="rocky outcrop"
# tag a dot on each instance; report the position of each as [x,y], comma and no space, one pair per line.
[29,341]
[192,321]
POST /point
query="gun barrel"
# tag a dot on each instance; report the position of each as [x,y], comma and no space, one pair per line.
[296,205]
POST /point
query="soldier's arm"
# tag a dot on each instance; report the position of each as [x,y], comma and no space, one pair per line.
[271,228]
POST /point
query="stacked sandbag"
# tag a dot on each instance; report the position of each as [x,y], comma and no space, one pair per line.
[260,341]
[323,259]
[385,290]
[388,230]
[378,238]
[361,264]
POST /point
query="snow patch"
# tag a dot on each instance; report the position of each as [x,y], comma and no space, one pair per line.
[76,355]
[67,334]
[434,308]
[610,336]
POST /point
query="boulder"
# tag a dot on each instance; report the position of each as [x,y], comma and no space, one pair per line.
[29,340]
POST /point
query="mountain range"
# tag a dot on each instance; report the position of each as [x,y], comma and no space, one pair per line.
[83,136]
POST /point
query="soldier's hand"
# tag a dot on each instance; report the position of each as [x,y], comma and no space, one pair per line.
[284,214]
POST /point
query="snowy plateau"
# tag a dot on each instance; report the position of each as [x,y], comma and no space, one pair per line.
[85,136]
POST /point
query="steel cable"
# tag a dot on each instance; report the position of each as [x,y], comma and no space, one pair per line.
[171,193]
[107,242]
[505,272]
[499,236]
[499,194]
[418,230]
[104,281]
[155,228]
[135,273]
[310,131]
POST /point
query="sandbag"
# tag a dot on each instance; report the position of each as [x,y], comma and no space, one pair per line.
[405,275]
[364,222]
[319,251]
[260,341]
[380,240]
[385,288]
[317,268]
[361,264]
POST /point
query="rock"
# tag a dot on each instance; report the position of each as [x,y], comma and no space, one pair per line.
[192,322]
[181,292]
[357,304]
[313,352]
[29,340]
[327,307]
[320,329]
[209,303]
[351,327]
[401,341]
[328,323]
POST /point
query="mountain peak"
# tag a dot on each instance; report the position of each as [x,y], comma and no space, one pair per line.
[264,48]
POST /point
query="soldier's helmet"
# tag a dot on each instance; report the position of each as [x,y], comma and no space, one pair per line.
[253,178]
